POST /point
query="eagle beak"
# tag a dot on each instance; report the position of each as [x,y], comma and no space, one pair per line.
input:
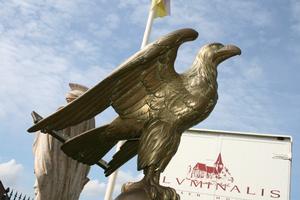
[226,52]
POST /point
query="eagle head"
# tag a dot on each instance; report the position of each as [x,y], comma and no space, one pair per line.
[215,53]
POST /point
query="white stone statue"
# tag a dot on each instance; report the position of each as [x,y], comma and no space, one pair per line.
[59,177]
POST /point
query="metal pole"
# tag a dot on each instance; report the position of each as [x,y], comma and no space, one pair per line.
[148,28]
[113,176]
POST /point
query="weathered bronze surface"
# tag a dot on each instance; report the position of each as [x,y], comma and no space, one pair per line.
[155,106]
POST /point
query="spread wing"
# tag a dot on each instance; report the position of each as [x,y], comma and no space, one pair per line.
[122,89]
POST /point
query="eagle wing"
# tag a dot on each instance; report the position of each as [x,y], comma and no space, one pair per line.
[123,89]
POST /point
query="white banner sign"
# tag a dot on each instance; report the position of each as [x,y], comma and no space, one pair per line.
[213,165]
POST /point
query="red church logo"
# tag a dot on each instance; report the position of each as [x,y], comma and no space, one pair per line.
[203,171]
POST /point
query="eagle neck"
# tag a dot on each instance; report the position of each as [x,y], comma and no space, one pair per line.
[202,73]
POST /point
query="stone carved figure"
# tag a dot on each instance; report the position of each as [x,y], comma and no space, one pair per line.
[155,106]
[57,175]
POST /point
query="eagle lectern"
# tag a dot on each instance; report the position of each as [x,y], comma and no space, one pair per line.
[155,105]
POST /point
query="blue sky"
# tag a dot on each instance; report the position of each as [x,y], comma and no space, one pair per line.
[45,44]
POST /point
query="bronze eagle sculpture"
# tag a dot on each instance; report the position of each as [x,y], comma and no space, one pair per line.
[155,106]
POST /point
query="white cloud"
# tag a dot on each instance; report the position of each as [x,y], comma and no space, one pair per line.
[10,173]
[217,19]
[96,189]
[124,177]
[30,74]
[111,21]
[35,68]
[34,76]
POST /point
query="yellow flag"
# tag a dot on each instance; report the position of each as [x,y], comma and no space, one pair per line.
[161,7]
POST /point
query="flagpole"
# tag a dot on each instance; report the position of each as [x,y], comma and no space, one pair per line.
[148,28]
[112,178]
